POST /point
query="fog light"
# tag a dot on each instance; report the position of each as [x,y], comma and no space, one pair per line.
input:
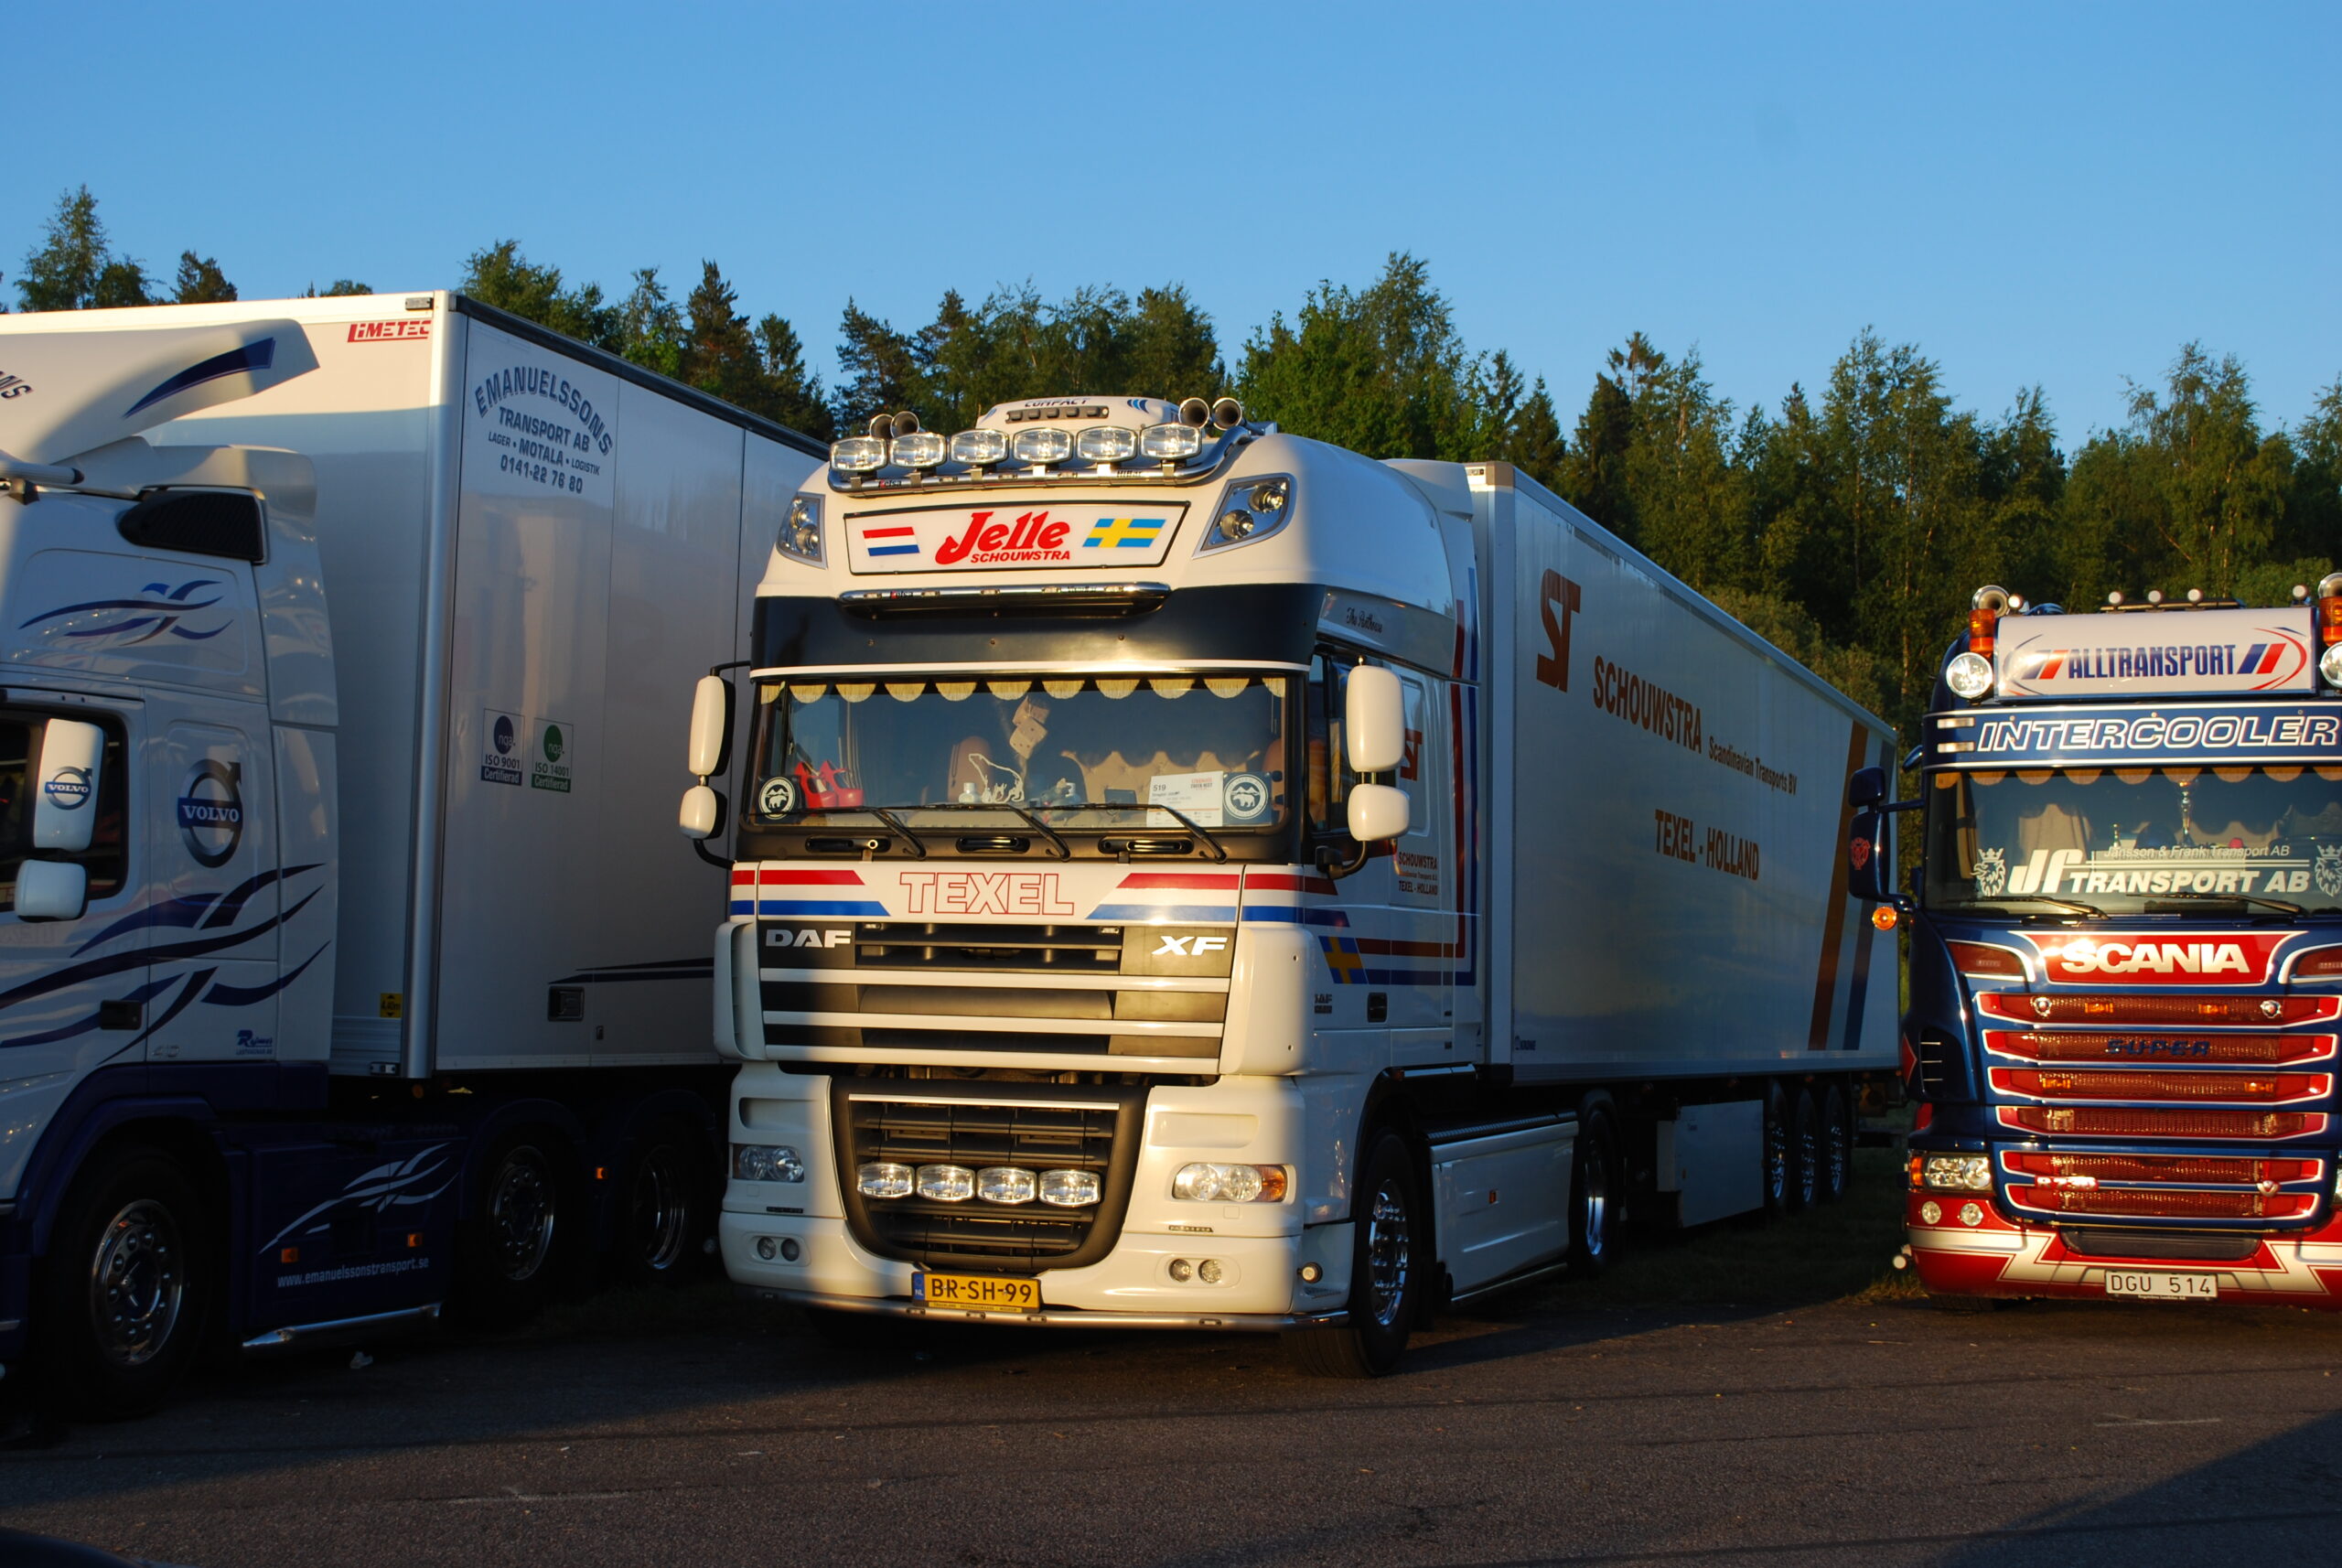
[1170,443]
[923,450]
[1208,1271]
[1268,496]
[885,1179]
[2329,664]
[858,454]
[947,1183]
[1042,446]
[1206,1182]
[766,1161]
[979,448]
[1106,444]
[789,1251]
[1957,1173]
[767,1248]
[1070,1189]
[1182,1271]
[1971,1214]
[1311,1273]
[1005,1183]
[1931,1212]
[1970,676]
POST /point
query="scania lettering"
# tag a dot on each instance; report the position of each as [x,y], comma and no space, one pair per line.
[2126,953]
[339,974]
[1241,910]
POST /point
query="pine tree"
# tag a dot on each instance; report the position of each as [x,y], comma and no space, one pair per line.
[794,393]
[649,329]
[63,272]
[200,282]
[499,275]
[877,369]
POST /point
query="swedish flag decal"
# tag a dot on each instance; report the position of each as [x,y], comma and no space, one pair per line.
[1124,532]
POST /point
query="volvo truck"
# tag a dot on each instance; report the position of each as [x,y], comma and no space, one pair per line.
[2126,953]
[1185,875]
[339,973]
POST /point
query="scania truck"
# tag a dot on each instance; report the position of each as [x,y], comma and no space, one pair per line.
[1186,874]
[339,968]
[2126,953]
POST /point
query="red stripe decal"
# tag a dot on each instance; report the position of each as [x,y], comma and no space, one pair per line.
[886,532]
[1833,919]
[809,879]
[1277,882]
[1179,879]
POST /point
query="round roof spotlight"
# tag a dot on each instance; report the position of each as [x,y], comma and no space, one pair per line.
[1106,444]
[2016,603]
[919,449]
[1228,413]
[882,425]
[979,448]
[2115,597]
[2154,596]
[1041,444]
[2301,591]
[1970,676]
[2195,596]
[1195,411]
[2329,664]
[905,423]
[1170,443]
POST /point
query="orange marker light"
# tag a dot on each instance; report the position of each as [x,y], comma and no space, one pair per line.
[1884,917]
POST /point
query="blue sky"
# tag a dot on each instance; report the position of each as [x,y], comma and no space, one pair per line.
[2051,193]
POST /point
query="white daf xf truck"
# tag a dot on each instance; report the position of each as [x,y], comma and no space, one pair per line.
[339,969]
[1188,876]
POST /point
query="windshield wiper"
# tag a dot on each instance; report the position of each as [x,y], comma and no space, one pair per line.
[919,848]
[1219,855]
[1065,851]
[1994,904]
[2280,905]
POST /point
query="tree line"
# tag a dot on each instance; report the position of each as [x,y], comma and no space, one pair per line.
[1849,522]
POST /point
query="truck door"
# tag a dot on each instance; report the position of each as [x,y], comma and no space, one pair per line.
[218,886]
[1423,887]
[73,987]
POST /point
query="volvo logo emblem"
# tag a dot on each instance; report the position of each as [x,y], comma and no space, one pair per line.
[211,813]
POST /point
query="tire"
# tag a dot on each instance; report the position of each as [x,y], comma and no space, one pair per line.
[127,1283]
[1778,1175]
[1805,1149]
[1387,1267]
[664,1212]
[1837,1169]
[513,1240]
[1597,1183]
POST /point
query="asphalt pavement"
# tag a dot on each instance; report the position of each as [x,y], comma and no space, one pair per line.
[1538,1431]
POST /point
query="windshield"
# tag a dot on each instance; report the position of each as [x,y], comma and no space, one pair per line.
[1077,751]
[2137,840]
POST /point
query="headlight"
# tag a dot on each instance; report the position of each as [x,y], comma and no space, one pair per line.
[1106,444]
[1206,1182]
[1042,446]
[1005,1183]
[1957,1173]
[1970,676]
[858,454]
[884,1178]
[923,450]
[1170,443]
[800,536]
[2329,664]
[1070,1189]
[1252,508]
[766,1161]
[947,1183]
[978,448]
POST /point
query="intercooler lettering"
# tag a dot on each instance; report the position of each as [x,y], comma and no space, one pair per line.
[983,893]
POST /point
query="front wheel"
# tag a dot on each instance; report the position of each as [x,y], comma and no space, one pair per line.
[1596,1184]
[1386,1271]
[126,1282]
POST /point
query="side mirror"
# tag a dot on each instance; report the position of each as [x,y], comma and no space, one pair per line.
[703,813]
[1870,856]
[1866,789]
[711,743]
[51,890]
[1374,722]
[66,811]
[1378,812]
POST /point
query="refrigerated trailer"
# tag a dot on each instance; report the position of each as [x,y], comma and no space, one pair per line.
[339,969]
[1186,875]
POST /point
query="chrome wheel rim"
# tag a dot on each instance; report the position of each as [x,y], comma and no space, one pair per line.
[1597,1231]
[662,1209]
[1387,1250]
[1840,1156]
[1809,1161]
[137,1283]
[1777,1160]
[520,1214]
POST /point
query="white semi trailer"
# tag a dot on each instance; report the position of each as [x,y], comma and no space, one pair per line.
[339,965]
[1191,875]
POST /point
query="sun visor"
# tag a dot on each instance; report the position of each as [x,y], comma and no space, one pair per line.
[62,393]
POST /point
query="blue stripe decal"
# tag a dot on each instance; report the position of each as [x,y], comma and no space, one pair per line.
[894,549]
[813,907]
[1285,915]
[1143,912]
[235,361]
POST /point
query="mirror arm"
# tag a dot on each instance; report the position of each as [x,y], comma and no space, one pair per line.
[1330,862]
[700,847]
[1889,806]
